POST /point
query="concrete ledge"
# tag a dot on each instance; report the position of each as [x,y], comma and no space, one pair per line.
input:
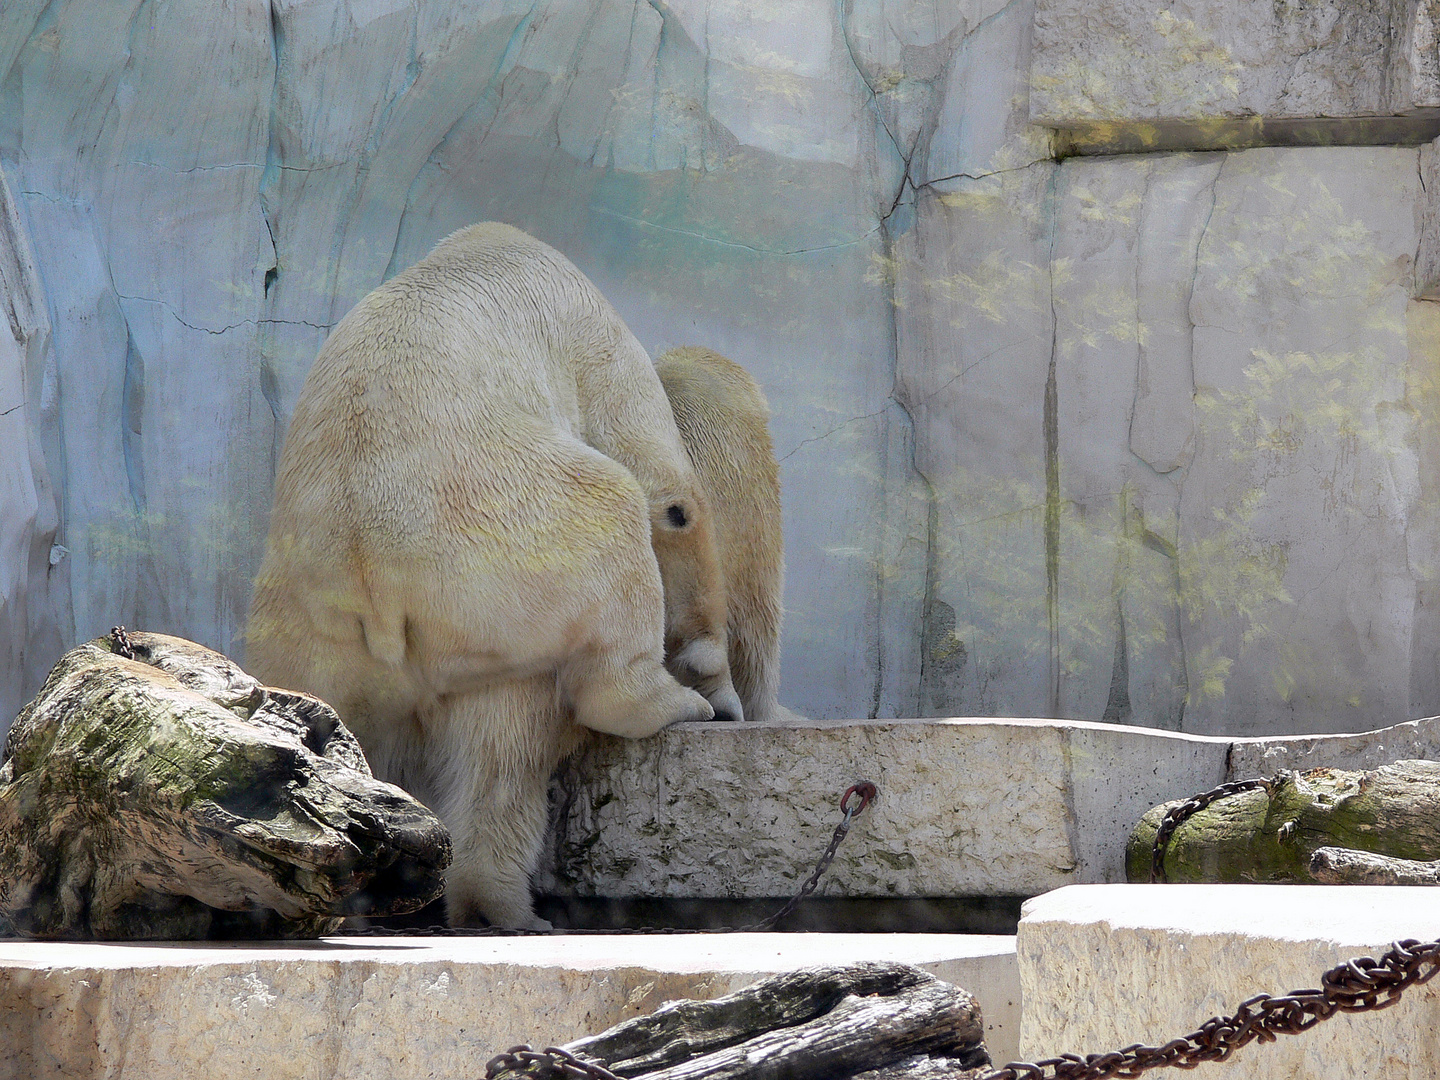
[967,807]
[1104,966]
[1361,750]
[404,1008]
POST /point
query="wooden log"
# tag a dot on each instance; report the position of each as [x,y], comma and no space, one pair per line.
[680,1030]
[1342,866]
[1273,836]
[173,796]
[926,1068]
[819,1024]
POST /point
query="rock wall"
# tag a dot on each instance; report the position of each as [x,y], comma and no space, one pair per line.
[1145,438]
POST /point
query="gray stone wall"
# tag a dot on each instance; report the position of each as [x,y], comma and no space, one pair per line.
[1146,438]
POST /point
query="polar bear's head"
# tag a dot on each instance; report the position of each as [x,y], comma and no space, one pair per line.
[683,537]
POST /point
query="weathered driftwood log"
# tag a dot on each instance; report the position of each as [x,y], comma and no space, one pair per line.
[1391,812]
[173,796]
[1342,866]
[874,1020]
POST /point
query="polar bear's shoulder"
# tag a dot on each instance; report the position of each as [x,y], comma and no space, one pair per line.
[486,240]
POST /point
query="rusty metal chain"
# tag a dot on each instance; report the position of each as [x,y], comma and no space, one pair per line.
[1177,815]
[1359,985]
[552,1063]
[866,792]
[120,643]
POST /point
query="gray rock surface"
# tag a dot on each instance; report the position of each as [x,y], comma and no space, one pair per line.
[1224,72]
[1140,439]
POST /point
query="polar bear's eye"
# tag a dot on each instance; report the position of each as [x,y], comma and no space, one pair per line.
[676,514]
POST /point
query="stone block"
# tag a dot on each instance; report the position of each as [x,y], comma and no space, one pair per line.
[966,807]
[1107,966]
[405,1008]
[1134,76]
[1364,750]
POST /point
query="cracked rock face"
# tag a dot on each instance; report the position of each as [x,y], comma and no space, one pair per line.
[1146,439]
[1138,71]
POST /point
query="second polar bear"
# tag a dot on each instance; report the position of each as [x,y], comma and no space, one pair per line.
[482,487]
[724,422]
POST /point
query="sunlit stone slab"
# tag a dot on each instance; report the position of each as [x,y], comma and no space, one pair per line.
[404,1008]
[1105,966]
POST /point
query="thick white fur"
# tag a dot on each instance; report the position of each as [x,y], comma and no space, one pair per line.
[724,422]
[474,512]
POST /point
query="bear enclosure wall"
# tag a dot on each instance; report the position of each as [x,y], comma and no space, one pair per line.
[1099,338]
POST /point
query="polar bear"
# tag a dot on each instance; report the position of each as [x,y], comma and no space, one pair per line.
[483,501]
[724,422]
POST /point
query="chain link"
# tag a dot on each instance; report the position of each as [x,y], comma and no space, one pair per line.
[120,643]
[1177,815]
[867,793]
[1354,986]
[1360,985]
[552,1063]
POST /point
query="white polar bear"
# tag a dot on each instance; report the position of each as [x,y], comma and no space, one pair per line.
[724,422]
[482,502]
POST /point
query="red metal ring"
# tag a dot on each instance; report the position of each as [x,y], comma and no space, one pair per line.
[867,792]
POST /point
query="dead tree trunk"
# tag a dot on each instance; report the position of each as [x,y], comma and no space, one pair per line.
[172,796]
[1322,826]
[1342,866]
[874,1020]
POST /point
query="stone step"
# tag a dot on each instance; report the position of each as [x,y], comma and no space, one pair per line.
[405,1008]
[1105,966]
[967,807]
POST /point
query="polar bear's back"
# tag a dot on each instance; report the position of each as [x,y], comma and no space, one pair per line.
[438,478]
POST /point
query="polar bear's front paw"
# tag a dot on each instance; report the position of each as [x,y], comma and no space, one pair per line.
[645,702]
[699,711]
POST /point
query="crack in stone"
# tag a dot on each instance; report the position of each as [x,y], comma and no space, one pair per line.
[229,326]
[1415,283]
[236,165]
[1051,433]
[846,11]
[1181,616]
[840,426]
[984,175]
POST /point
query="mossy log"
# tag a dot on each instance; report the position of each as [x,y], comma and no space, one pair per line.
[172,796]
[1376,827]
[878,1021]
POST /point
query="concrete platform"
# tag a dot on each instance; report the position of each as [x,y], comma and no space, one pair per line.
[1104,966]
[967,807]
[404,1008]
